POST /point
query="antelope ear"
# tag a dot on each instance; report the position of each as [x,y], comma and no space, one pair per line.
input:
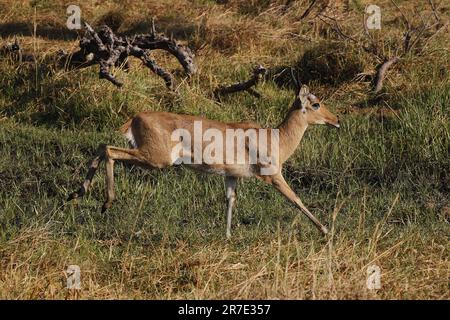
[304,90]
[303,96]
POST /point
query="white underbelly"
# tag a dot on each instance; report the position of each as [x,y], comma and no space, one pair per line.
[234,170]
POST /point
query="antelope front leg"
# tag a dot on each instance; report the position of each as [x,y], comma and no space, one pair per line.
[230,185]
[280,184]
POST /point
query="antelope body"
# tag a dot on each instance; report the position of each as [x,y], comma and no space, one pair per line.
[151,134]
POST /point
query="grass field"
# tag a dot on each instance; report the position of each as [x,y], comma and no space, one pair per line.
[381,182]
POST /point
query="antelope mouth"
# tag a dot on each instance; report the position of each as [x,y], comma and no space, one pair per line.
[333,125]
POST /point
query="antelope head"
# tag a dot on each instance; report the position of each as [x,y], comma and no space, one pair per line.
[313,110]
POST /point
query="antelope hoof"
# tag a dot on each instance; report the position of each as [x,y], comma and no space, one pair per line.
[77,194]
[106,206]
[72,196]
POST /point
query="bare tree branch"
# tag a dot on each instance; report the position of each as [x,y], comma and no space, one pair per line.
[109,50]
[258,73]
[148,61]
[381,73]
[434,10]
[411,39]
[372,49]
[308,10]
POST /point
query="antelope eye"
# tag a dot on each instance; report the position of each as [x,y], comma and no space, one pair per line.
[315,106]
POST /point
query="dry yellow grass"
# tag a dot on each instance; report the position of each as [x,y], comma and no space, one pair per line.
[33,265]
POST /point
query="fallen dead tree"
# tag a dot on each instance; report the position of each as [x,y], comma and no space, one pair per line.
[108,50]
[415,39]
[258,73]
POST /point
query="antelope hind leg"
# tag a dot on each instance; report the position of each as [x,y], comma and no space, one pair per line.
[230,184]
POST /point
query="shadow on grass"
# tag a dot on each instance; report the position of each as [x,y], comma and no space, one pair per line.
[328,64]
[52,32]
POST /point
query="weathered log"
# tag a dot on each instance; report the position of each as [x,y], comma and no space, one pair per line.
[155,41]
[258,73]
[108,50]
[148,61]
[381,73]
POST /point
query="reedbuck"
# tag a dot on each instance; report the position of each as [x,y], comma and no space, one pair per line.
[156,144]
